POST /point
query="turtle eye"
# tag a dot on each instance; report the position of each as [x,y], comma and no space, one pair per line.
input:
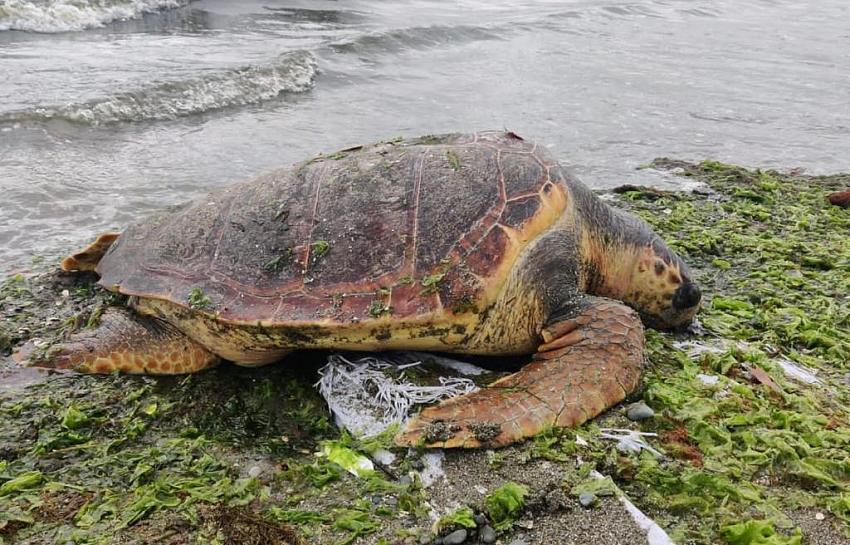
[686,296]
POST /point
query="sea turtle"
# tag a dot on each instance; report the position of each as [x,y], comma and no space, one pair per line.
[465,243]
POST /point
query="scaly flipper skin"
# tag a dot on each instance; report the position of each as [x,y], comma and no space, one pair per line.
[88,258]
[130,343]
[587,364]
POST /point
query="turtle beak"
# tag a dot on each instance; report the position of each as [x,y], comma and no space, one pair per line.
[688,295]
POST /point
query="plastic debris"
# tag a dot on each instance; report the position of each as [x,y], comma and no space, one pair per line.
[462,367]
[383,456]
[630,440]
[695,349]
[798,372]
[433,470]
[655,535]
[365,398]
[708,380]
[348,459]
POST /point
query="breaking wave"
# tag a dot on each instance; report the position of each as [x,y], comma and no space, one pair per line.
[50,16]
[292,72]
[416,38]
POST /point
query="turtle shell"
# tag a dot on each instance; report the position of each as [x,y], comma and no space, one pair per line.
[397,229]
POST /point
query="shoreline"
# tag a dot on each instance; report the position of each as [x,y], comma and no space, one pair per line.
[748,448]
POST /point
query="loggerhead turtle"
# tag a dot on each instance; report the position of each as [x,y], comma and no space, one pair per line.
[466,243]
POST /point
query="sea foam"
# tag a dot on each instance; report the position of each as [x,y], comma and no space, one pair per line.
[53,16]
[291,72]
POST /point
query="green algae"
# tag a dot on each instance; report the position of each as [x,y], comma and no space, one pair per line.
[459,518]
[131,450]
[278,262]
[378,308]
[431,283]
[198,300]
[758,533]
[454,160]
[319,249]
[767,249]
[130,455]
[505,503]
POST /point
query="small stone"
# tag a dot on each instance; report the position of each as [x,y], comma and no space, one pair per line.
[819,516]
[405,480]
[488,535]
[254,472]
[455,538]
[639,411]
[480,519]
[587,499]
[425,539]
[518,542]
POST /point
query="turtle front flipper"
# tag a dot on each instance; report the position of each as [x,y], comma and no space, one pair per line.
[130,343]
[587,364]
[88,258]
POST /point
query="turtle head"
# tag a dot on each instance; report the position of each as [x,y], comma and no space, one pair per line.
[661,287]
[626,260]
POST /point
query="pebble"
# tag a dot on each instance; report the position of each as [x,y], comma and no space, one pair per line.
[819,516]
[455,538]
[639,411]
[254,472]
[518,542]
[488,535]
[587,499]
[480,519]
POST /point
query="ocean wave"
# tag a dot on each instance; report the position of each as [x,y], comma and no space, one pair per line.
[292,72]
[53,16]
[416,38]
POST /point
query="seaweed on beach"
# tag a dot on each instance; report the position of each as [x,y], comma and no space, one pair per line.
[750,412]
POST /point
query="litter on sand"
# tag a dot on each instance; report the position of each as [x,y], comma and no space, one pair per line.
[369,394]
[630,440]
[655,535]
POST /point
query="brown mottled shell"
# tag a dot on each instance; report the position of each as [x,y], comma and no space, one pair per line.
[400,229]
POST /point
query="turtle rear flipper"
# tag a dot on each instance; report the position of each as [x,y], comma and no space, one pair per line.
[88,258]
[587,364]
[129,343]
